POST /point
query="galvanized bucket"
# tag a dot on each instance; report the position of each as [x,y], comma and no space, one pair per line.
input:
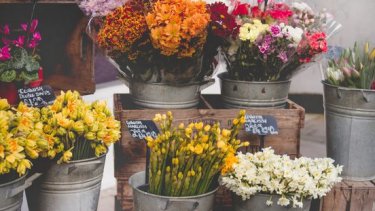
[258,203]
[144,201]
[11,193]
[252,94]
[166,96]
[74,186]
[350,130]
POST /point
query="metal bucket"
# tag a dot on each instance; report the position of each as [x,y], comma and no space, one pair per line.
[166,96]
[11,193]
[350,130]
[74,186]
[258,203]
[144,201]
[253,94]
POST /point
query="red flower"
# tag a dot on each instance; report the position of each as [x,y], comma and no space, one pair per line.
[317,42]
[305,60]
[222,23]
[256,12]
[373,85]
[4,53]
[280,12]
[241,9]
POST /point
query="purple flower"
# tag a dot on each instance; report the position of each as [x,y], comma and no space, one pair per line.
[265,44]
[276,31]
[283,56]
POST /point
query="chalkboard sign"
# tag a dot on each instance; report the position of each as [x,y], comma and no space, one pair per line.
[37,96]
[261,125]
[142,128]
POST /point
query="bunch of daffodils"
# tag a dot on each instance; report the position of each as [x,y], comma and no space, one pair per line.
[186,160]
[21,137]
[78,130]
[293,180]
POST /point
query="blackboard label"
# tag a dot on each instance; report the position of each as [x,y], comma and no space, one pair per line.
[37,96]
[261,125]
[142,128]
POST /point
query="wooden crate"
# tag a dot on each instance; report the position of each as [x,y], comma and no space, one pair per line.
[67,52]
[130,153]
[350,196]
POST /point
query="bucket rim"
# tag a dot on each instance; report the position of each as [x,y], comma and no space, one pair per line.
[85,160]
[346,88]
[224,77]
[192,83]
[14,181]
[167,197]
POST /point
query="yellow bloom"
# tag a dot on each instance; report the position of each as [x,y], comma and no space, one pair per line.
[198,149]
[65,158]
[22,166]
[226,133]
[199,125]
[207,128]
[228,163]
[2,154]
[4,105]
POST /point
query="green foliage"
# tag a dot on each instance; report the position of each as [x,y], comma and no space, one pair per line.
[8,76]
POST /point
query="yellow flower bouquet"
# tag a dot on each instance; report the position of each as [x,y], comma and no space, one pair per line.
[21,138]
[78,130]
[186,160]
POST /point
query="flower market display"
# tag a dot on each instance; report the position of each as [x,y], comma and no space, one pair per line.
[292,180]
[269,42]
[78,130]
[186,160]
[159,41]
[355,68]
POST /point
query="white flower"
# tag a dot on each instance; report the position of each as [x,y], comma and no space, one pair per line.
[283,201]
[294,34]
[269,202]
[335,74]
[302,6]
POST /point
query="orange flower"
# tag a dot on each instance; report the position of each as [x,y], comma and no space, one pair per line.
[178,27]
[228,165]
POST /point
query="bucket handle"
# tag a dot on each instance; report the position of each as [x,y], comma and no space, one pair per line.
[339,93]
[28,183]
[206,84]
[76,165]
[365,96]
[194,204]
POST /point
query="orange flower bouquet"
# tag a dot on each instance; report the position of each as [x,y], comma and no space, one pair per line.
[163,41]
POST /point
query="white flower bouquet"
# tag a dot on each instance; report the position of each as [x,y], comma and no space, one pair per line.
[292,180]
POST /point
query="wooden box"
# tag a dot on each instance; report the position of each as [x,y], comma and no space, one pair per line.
[66,51]
[350,196]
[130,154]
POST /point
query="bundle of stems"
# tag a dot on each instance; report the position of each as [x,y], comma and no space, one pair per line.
[185,161]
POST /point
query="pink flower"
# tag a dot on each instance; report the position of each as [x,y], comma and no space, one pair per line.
[5,41]
[283,56]
[24,26]
[4,53]
[275,31]
[32,44]
[5,30]
[34,24]
[37,36]
[20,41]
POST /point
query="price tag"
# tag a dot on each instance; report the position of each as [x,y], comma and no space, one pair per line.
[261,125]
[142,128]
[37,96]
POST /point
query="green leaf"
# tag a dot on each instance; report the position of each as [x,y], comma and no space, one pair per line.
[28,76]
[32,64]
[19,58]
[3,66]
[8,76]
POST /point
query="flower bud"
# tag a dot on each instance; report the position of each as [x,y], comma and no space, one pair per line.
[90,136]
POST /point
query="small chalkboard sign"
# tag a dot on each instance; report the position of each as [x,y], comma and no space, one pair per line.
[142,128]
[261,125]
[37,96]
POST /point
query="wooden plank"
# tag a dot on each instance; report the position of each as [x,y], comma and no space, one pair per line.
[362,195]
[337,199]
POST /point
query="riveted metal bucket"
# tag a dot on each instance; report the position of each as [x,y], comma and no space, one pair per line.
[252,94]
[350,130]
[73,186]
[166,96]
[258,203]
[144,201]
[11,193]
